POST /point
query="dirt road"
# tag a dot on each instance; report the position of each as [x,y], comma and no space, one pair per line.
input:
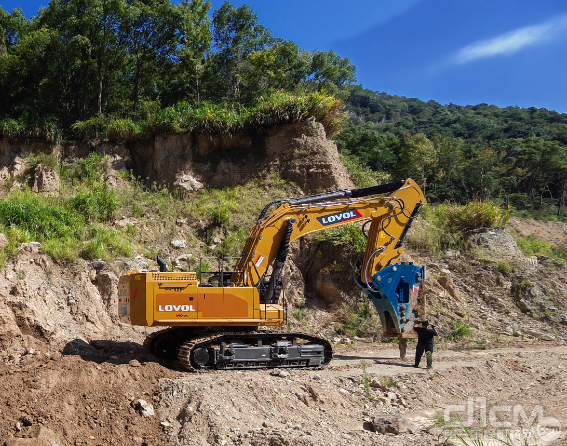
[91,400]
[336,405]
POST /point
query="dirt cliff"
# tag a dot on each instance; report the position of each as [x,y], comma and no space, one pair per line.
[297,152]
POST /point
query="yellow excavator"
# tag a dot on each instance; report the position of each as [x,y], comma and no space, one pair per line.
[231,317]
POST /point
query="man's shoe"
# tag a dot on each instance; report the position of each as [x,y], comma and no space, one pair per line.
[416,366]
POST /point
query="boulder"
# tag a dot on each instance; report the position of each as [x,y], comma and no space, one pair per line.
[45,180]
[539,335]
[493,241]
[188,183]
[179,244]
[528,296]
[448,284]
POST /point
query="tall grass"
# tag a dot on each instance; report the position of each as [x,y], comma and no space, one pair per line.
[38,216]
[277,109]
[475,215]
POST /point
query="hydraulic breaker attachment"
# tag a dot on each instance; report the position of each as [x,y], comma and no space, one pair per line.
[395,294]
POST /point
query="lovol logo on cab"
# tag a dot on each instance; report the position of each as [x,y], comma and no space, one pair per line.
[175,308]
[339,217]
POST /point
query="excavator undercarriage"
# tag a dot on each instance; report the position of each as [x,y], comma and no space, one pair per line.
[238,349]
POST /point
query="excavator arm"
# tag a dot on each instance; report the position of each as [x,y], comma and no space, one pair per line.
[390,286]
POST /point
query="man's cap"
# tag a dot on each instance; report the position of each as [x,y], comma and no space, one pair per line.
[425,323]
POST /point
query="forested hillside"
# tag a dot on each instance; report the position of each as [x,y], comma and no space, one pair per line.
[126,70]
[515,155]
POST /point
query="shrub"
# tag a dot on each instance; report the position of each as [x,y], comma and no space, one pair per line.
[459,330]
[95,205]
[47,159]
[93,128]
[90,168]
[362,175]
[475,215]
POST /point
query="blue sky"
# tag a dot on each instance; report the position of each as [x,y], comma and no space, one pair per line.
[503,52]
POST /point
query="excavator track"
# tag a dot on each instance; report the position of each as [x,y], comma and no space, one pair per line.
[220,350]
[254,350]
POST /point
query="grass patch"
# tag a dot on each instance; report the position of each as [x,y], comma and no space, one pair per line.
[531,245]
[300,312]
[44,218]
[67,227]
[390,382]
[504,267]
[347,237]
[96,204]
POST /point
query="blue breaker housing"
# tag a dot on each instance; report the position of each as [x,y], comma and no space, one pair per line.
[394,293]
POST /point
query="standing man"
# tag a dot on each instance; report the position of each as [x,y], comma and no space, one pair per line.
[425,337]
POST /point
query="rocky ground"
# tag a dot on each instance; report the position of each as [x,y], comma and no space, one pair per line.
[366,397]
[72,374]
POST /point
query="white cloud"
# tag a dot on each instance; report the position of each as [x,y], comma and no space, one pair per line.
[513,41]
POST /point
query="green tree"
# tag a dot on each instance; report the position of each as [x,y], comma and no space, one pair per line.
[283,66]
[150,33]
[418,158]
[236,34]
[195,44]
[329,69]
